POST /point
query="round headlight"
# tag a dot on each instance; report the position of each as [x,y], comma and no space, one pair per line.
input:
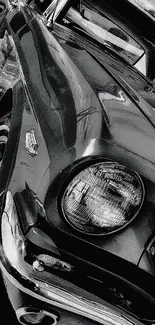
[102,198]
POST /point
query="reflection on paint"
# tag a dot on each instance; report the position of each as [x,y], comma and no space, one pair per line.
[9,65]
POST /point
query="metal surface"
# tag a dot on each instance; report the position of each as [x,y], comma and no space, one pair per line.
[37,316]
[56,293]
[83,103]
[104,116]
[31,143]
[60,139]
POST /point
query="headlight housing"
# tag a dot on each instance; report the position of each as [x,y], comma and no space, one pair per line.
[102,198]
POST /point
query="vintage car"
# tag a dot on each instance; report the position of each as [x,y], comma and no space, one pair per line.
[77,162]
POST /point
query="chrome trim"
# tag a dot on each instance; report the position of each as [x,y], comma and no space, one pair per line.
[49,12]
[59,8]
[27,310]
[31,143]
[49,287]
[43,260]
[54,10]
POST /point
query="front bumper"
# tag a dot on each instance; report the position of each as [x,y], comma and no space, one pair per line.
[46,286]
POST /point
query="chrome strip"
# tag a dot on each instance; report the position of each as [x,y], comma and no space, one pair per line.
[55,296]
[53,10]
[59,8]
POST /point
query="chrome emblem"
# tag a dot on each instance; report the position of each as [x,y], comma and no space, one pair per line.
[31,143]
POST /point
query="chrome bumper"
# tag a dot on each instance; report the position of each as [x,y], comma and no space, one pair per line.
[45,286]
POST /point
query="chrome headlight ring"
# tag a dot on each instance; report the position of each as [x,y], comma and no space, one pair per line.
[102,198]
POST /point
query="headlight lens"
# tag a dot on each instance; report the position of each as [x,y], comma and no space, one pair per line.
[102,198]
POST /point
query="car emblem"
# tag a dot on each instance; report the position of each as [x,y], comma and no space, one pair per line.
[31,143]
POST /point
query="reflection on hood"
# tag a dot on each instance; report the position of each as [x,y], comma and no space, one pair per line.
[9,65]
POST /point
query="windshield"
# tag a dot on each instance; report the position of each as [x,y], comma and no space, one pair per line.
[90,18]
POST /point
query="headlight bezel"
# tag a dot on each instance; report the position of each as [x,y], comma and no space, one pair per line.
[77,169]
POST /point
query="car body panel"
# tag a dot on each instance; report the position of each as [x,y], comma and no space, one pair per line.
[79,110]
[82,104]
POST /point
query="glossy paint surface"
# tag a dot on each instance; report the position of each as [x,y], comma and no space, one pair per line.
[80,107]
[81,103]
